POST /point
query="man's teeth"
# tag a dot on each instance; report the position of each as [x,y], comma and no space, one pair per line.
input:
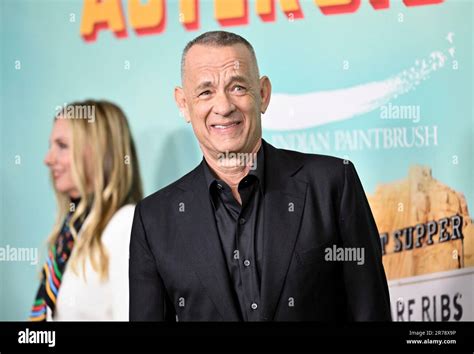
[224,126]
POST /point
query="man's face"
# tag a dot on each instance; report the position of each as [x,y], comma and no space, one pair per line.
[223,98]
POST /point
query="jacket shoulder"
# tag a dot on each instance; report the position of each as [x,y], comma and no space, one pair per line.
[323,160]
[169,191]
[316,164]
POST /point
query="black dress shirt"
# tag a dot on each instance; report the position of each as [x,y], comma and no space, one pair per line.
[240,229]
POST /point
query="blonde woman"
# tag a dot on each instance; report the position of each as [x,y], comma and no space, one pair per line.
[96,178]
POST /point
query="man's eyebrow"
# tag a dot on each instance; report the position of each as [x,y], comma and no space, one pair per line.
[238,78]
[203,85]
[232,79]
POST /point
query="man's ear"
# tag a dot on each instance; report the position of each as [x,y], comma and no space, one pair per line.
[265,92]
[180,99]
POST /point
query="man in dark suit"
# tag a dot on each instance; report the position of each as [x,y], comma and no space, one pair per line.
[253,233]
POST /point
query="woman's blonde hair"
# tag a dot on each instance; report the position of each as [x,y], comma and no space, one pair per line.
[107,181]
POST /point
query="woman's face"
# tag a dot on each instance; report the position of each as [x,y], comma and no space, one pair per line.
[59,158]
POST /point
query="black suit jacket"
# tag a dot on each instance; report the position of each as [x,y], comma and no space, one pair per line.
[311,203]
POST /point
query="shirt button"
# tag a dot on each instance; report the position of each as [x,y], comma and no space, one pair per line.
[246,263]
[242,221]
[254,306]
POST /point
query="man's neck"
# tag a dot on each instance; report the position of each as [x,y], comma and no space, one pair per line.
[234,170]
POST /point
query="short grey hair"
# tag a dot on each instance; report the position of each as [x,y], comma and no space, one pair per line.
[217,39]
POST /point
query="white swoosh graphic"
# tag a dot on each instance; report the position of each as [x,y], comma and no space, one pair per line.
[293,112]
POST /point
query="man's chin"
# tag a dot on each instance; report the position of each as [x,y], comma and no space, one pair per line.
[229,145]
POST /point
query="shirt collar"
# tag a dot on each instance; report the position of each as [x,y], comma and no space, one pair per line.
[258,171]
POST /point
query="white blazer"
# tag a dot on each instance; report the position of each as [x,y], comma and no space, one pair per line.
[90,299]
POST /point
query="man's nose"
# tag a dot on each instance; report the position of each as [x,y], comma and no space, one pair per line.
[222,105]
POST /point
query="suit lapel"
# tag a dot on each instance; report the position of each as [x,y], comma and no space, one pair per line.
[201,239]
[283,209]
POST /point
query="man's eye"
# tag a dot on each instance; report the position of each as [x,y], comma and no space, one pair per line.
[238,89]
[205,93]
[62,146]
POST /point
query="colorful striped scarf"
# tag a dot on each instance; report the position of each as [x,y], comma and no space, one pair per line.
[53,270]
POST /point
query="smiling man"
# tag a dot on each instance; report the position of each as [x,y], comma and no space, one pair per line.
[245,235]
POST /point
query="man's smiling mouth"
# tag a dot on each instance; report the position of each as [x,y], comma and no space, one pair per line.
[225,126]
